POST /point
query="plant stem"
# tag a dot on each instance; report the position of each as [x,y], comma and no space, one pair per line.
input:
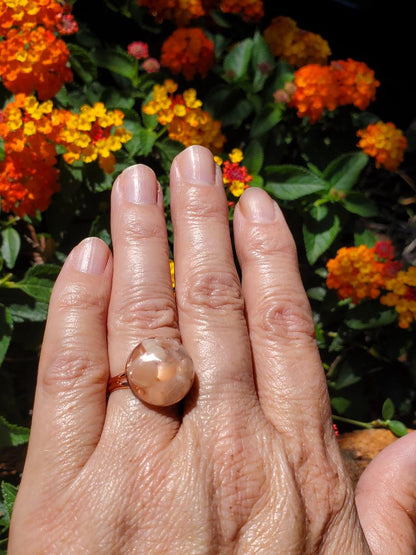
[350,421]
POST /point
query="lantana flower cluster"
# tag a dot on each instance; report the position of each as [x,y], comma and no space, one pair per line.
[385,143]
[184,117]
[363,272]
[235,175]
[183,11]
[341,83]
[188,51]
[298,47]
[31,131]
[32,56]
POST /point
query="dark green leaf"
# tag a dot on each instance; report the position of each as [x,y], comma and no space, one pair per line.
[262,62]
[266,121]
[344,171]
[237,60]
[388,409]
[8,492]
[317,293]
[364,317]
[239,112]
[1,149]
[6,329]
[340,404]
[117,61]
[142,142]
[168,150]
[289,182]
[253,157]
[11,435]
[319,235]
[10,246]
[82,63]
[398,428]
[357,203]
[38,281]
[367,238]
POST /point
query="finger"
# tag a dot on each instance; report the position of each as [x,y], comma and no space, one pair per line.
[386,498]
[142,304]
[209,301]
[70,400]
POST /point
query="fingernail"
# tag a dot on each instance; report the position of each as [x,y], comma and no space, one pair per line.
[138,184]
[90,256]
[257,206]
[196,165]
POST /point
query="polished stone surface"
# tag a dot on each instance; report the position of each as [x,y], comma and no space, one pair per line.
[160,371]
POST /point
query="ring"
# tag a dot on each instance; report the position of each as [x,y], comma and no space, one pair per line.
[158,371]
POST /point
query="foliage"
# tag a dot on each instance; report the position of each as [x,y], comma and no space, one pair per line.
[279,114]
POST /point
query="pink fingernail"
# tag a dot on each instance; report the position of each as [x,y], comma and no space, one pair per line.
[138,184]
[257,206]
[196,165]
[90,256]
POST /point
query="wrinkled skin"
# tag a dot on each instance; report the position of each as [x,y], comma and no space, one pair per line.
[248,463]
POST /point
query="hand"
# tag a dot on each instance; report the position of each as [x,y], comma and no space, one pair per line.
[248,462]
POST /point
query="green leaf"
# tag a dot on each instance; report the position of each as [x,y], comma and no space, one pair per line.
[398,428]
[340,404]
[239,112]
[359,204]
[168,149]
[38,281]
[1,149]
[344,171]
[11,434]
[266,121]
[262,62]
[366,238]
[10,246]
[6,329]
[142,142]
[290,182]
[8,492]
[364,317]
[237,60]
[82,63]
[117,61]
[319,233]
[388,409]
[253,157]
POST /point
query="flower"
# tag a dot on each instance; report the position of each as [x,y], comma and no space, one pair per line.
[138,50]
[34,60]
[188,51]
[316,90]
[94,133]
[356,83]
[151,65]
[183,115]
[385,143]
[402,296]
[172,272]
[249,9]
[180,11]
[27,14]
[294,45]
[235,176]
[356,273]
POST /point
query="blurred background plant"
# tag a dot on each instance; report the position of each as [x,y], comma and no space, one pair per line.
[84,97]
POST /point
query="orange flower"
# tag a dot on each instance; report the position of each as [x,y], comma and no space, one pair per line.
[294,45]
[28,14]
[250,10]
[180,11]
[235,176]
[402,296]
[183,115]
[188,51]
[356,83]
[34,60]
[385,143]
[316,90]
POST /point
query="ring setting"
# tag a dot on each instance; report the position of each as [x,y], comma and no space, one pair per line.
[159,371]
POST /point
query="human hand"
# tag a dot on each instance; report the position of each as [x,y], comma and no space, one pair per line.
[248,462]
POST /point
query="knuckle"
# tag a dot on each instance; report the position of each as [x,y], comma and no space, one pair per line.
[261,243]
[289,319]
[71,371]
[207,289]
[136,229]
[80,297]
[135,312]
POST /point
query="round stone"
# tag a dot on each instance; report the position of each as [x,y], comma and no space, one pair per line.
[160,371]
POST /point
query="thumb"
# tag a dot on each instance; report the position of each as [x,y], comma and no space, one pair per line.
[386,498]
